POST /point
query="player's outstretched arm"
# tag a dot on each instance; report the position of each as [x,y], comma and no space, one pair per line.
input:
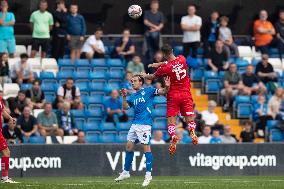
[155,65]
[123,93]
[165,90]
[147,76]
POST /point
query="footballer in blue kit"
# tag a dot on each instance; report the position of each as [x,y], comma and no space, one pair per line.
[140,131]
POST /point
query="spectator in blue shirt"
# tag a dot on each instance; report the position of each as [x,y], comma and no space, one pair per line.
[76,31]
[124,46]
[215,137]
[7,22]
[260,115]
[114,110]
[126,84]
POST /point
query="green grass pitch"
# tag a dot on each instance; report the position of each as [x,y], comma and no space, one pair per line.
[174,182]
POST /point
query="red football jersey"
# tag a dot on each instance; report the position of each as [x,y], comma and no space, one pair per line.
[177,70]
[2,106]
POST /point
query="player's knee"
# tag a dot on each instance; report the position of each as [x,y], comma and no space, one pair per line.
[6,152]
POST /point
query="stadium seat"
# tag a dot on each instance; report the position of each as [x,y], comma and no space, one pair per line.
[82,63]
[64,74]
[245,51]
[80,123]
[82,74]
[108,138]
[212,86]
[158,113]
[196,74]
[49,87]
[26,86]
[94,121]
[109,50]
[78,113]
[95,99]
[276,63]
[113,85]
[271,124]
[91,127]
[49,96]
[12,62]
[241,99]
[115,62]
[160,100]
[92,113]
[46,75]
[116,74]
[49,64]
[255,61]
[69,139]
[276,135]
[159,126]
[10,90]
[92,139]
[178,50]
[20,49]
[186,138]
[130,112]
[65,63]
[244,110]
[107,127]
[97,86]
[37,140]
[123,126]
[82,85]
[37,111]
[121,139]
[98,75]
[95,63]
[35,64]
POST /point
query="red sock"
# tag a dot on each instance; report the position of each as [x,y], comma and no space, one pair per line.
[5,166]
[171,130]
[192,125]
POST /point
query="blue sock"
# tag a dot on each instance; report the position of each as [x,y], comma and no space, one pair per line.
[149,159]
[128,160]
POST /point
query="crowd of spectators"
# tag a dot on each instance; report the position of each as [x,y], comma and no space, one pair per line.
[66,27]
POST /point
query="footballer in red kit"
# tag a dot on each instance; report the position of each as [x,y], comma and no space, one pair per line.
[179,99]
[4,146]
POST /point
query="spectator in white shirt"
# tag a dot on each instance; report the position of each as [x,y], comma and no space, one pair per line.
[209,116]
[22,71]
[94,46]
[227,138]
[206,136]
[158,138]
[191,24]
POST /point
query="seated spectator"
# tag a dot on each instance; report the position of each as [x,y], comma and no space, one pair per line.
[280,115]
[274,103]
[76,31]
[81,138]
[232,85]
[17,104]
[27,123]
[136,66]
[215,137]
[113,107]
[70,93]
[206,136]
[12,133]
[158,57]
[263,32]
[66,120]
[126,84]
[265,72]
[260,115]
[252,85]
[7,37]
[22,71]
[124,46]
[94,46]
[209,116]
[158,138]
[279,26]
[36,95]
[247,135]
[158,85]
[225,35]
[4,69]
[218,58]
[227,138]
[148,83]
[47,122]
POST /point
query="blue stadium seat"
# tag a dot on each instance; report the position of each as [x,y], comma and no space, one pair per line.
[116,74]
[80,122]
[83,74]
[241,99]
[186,138]
[244,110]
[26,86]
[37,140]
[107,126]
[49,96]
[95,63]
[96,99]
[109,50]
[276,135]
[68,68]
[212,86]
[97,86]
[123,126]
[159,126]
[92,139]
[85,100]
[82,63]
[200,51]
[98,75]
[93,113]
[94,121]
[82,85]
[210,75]
[159,113]
[115,62]
[161,121]
[78,113]
[65,63]
[196,74]
[113,85]
[271,124]
[178,50]
[64,74]
[121,139]
[108,138]
[49,87]
[160,100]
[91,127]
[46,75]
[254,99]
[255,61]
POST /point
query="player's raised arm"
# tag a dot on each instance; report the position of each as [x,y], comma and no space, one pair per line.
[123,93]
[155,65]
[165,90]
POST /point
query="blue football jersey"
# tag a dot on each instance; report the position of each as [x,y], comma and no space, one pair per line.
[142,103]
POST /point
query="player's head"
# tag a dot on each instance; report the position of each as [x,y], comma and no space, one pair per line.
[167,51]
[137,82]
[99,33]
[43,5]
[74,9]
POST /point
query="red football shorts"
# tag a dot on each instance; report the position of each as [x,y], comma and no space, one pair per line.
[180,102]
[3,142]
